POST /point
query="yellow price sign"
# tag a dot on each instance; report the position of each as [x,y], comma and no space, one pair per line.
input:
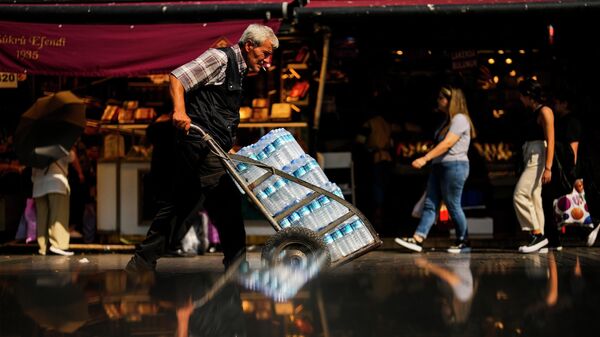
[8,80]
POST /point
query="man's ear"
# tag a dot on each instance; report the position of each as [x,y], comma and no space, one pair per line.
[248,46]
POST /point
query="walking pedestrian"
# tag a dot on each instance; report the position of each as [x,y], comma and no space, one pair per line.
[538,155]
[449,173]
[567,134]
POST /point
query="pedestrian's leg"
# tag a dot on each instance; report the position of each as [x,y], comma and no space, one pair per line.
[432,204]
[525,199]
[41,208]
[58,220]
[452,184]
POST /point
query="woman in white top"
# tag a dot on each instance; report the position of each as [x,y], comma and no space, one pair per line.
[51,192]
[449,172]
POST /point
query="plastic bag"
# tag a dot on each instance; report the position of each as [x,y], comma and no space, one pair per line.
[571,209]
[417,211]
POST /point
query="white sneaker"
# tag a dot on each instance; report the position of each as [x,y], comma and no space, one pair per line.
[591,239]
[59,251]
[410,243]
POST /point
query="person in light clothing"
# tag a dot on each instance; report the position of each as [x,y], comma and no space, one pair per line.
[538,156]
[51,193]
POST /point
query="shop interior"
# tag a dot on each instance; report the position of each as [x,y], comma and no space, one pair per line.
[390,67]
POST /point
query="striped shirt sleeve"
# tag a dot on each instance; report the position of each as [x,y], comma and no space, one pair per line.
[208,69]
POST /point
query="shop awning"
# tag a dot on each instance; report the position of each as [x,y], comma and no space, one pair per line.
[131,11]
[324,9]
[110,50]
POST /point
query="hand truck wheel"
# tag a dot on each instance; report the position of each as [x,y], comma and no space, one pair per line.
[294,246]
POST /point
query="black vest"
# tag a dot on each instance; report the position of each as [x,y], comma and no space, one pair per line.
[216,108]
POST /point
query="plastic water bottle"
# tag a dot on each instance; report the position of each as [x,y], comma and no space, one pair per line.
[289,145]
[316,219]
[304,218]
[294,219]
[297,190]
[314,173]
[295,149]
[350,237]
[273,203]
[362,233]
[264,200]
[248,171]
[283,196]
[338,239]
[285,223]
[334,251]
[335,208]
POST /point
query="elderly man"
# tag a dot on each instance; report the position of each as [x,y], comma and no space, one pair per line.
[207,92]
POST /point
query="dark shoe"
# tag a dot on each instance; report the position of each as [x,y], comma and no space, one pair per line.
[460,247]
[537,242]
[410,243]
[139,265]
[553,245]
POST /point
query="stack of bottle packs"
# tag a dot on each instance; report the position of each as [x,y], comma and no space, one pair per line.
[280,150]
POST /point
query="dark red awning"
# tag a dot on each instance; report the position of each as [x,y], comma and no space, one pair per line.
[109,50]
[379,3]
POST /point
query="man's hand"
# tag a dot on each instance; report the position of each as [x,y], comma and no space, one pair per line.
[181,120]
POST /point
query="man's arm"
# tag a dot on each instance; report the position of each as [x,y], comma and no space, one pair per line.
[180,118]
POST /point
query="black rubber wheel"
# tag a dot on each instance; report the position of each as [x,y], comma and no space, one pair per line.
[295,246]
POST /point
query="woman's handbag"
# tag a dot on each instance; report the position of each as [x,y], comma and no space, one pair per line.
[571,209]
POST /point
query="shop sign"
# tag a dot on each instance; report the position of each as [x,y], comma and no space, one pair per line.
[464,59]
[8,80]
[109,50]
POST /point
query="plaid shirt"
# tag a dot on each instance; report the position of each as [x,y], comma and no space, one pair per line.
[208,69]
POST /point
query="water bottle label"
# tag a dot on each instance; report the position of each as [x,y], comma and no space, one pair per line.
[311,165]
[323,200]
[299,172]
[294,217]
[269,190]
[357,224]
[285,223]
[347,229]
[304,211]
[314,205]
[279,183]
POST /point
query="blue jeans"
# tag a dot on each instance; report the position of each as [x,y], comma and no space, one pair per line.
[446,182]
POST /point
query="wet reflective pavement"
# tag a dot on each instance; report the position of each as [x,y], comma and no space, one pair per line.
[384,293]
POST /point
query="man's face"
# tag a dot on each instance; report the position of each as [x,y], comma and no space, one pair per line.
[258,56]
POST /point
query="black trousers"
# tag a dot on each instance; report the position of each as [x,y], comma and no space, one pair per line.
[163,234]
[202,183]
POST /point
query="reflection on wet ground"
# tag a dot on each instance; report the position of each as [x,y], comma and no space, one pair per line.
[385,293]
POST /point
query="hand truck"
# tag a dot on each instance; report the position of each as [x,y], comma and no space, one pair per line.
[292,244]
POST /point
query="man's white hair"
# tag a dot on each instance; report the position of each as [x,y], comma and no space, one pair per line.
[258,34]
